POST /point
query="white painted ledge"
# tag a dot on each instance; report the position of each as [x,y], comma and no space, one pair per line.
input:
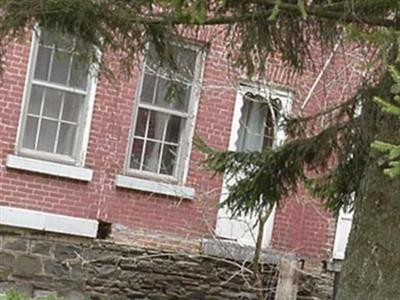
[49,168]
[154,187]
[37,220]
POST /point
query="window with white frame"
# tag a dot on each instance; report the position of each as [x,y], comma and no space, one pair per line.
[256,126]
[55,109]
[258,122]
[164,115]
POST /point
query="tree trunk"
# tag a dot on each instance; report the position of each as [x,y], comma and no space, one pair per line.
[262,219]
[371,270]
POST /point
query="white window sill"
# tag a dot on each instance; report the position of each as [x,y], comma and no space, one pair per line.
[37,220]
[154,187]
[49,168]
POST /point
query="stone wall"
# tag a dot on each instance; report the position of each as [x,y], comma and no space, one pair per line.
[38,264]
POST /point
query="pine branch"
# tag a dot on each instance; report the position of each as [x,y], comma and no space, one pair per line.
[259,180]
[337,13]
[391,107]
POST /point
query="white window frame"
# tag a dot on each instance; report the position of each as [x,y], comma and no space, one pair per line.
[224,219]
[79,153]
[185,142]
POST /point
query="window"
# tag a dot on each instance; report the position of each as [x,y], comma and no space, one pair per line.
[257,124]
[164,115]
[56,104]
[256,121]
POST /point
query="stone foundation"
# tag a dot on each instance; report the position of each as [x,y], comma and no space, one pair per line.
[38,264]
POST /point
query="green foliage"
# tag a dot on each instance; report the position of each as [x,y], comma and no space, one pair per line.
[302,8]
[275,11]
[12,295]
[391,106]
[385,41]
[264,179]
[253,29]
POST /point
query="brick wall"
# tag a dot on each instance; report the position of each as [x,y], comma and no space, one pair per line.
[301,226]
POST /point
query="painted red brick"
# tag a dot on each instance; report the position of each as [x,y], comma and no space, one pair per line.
[301,226]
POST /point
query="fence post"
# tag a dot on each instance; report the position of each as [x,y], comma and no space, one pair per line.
[288,280]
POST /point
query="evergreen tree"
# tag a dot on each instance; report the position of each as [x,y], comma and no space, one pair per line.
[253,30]
[392,150]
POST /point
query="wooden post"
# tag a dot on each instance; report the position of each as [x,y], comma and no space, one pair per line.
[288,280]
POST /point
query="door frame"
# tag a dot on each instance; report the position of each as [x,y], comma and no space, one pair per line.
[286,99]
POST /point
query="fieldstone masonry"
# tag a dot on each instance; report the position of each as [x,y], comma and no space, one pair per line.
[39,264]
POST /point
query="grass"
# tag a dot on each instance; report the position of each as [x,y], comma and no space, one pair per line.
[12,295]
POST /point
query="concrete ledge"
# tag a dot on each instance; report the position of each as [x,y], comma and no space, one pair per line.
[232,250]
[154,187]
[49,168]
[334,265]
[37,220]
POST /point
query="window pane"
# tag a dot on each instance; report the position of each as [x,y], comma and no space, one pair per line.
[46,37]
[173,129]
[60,67]
[31,126]
[148,88]
[272,115]
[153,59]
[186,61]
[141,122]
[136,154]
[175,96]
[169,159]
[42,63]
[257,123]
[183,61]
[36,100]
[66,139]
[79,74]
[62,41]
[52,103]
[251,131]
[151,156]
[72,107]
[157,125]
[47,135]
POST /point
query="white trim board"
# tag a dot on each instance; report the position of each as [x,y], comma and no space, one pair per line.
[49,168]
[343,227]
[154,187]
[37,220]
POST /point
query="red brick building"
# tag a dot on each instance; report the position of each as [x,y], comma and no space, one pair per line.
[77,149]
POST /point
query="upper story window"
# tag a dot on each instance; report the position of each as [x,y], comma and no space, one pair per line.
[258,122]
[54,117]
[163,119]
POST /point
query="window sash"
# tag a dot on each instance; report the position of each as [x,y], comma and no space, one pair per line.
[257,124]
[187,116]
[161,140]
[75,156]
[59,121]
[58,87]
